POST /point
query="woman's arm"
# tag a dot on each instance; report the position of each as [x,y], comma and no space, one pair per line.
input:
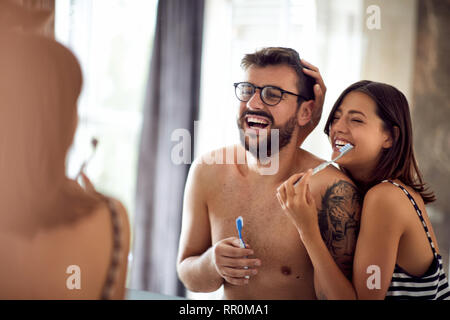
[377,243]
[382,226]
[299,205]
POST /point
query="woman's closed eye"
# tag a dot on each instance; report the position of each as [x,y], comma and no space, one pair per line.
[334,119]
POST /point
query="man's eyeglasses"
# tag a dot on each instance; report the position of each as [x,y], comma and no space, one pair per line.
[270,95]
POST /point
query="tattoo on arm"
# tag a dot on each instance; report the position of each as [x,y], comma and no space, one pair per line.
[339,220]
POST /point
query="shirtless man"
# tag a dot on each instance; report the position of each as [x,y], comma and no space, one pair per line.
[274,264]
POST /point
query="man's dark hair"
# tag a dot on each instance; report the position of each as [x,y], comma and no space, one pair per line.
[282,56]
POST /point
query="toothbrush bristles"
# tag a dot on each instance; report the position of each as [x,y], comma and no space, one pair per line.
[346,148]
[343,151]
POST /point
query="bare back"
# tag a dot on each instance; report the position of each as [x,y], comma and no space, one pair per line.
[44,266]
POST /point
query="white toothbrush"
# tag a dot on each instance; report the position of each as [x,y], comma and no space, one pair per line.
[323,165]
[94,143]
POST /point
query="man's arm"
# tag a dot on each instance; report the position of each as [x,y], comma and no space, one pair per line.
[339,217]
[331,243]
[195,262]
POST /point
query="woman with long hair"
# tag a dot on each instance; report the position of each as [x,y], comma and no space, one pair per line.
[57,240]
[396,254]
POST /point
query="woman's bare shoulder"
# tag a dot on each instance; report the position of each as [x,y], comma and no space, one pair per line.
[108,220]
[383,195]
[104,211]
[385,203]
[118,288]
[86,243]
[122,212]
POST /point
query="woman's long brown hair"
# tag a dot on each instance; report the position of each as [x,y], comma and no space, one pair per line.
[40,82]
[397,162]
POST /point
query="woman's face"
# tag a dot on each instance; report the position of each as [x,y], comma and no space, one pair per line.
[356,122]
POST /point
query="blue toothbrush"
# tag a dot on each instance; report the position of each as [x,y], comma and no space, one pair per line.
[239,225]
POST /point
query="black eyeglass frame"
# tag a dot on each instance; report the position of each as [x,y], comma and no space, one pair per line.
[261,90]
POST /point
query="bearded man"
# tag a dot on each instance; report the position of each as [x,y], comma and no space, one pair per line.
[280,103]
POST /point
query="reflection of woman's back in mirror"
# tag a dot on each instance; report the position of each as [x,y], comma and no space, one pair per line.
[47,221]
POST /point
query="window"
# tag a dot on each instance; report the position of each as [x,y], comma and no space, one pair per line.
[112,40]
[316,29]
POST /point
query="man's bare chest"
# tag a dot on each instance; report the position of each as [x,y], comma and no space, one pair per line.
[267,229]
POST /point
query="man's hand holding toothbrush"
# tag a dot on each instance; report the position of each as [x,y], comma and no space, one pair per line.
[232,262]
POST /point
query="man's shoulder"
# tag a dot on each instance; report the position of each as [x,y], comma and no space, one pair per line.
[332,176]
[215,162]
[328,174]
[336,189]
[329,178]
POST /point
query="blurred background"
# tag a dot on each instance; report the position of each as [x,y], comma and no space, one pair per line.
[151,67]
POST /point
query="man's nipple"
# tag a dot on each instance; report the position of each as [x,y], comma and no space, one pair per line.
[285,270]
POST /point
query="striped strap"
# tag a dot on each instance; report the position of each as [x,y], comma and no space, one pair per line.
[419,213]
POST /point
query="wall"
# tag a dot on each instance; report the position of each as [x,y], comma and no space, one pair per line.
[410,52]
[431,112]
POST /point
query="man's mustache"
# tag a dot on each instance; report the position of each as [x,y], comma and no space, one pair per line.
[256,113]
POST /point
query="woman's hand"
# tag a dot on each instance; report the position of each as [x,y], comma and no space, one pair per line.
[319,91]
[298,203]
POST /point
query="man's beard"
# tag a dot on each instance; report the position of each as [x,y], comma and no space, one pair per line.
[284,136]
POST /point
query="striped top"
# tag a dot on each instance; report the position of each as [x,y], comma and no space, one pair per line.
[113,270]
[433,285]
